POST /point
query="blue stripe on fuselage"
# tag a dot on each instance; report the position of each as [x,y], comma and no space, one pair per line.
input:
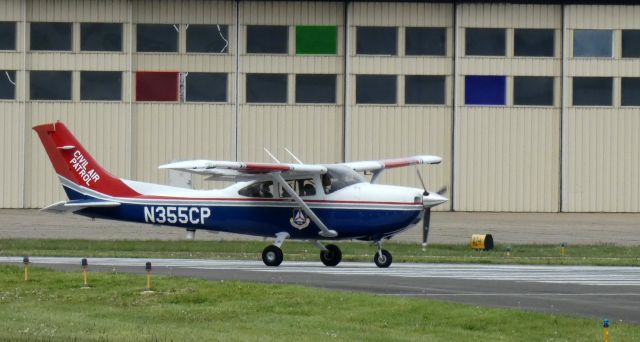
[264,220]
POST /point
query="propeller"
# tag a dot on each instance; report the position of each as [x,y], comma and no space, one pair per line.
[426,219]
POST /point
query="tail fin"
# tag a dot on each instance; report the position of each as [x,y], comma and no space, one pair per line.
[71,161]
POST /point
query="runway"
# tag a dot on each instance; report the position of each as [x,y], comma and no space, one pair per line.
[594,291]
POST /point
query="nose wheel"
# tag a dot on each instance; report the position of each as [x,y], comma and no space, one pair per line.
[382,258]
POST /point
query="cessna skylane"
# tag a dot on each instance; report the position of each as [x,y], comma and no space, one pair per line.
[278,200]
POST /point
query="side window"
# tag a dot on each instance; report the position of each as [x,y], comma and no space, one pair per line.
[258,190]
[303,187]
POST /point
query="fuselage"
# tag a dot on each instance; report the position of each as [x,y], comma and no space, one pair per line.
[357,211]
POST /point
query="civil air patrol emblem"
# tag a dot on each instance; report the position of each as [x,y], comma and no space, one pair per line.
[299,219]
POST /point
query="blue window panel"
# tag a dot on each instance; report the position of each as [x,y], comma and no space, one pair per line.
[485,90]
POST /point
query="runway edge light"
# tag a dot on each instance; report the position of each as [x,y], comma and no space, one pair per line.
[605,326]
[147,267]
[26,263]
[85,267]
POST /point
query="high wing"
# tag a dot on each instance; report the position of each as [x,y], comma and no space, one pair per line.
[239,171]
[378,165]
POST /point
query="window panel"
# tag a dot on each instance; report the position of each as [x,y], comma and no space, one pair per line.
[425,41]
[533,42]
[267,39]
[266,88]
[208,38]
[380,89]
[592,91]
[101,85]
[7,85]
[631,91]
[485,42]
[317,40]
[156,38]
[376,40]
[630,43]
[421,89]
[485,90]
[50,85]
[533,91]
[51,36]
[100,37]
[7,35]
[592,43]
[315,88]
[157,86]
[206,87]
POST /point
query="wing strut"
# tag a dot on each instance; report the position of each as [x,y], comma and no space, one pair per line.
[324,231]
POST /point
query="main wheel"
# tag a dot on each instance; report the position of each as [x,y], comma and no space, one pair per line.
[383,260]
[332,256]
[272,255]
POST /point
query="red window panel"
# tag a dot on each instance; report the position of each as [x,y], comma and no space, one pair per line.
[157,85]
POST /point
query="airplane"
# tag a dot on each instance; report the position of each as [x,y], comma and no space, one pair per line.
[274,200]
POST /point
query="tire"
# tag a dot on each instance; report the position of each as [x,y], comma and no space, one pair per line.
[272,256]
[332,256]
[384,260]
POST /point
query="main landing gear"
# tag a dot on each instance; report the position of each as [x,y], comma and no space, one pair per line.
[330,255]
[272,255]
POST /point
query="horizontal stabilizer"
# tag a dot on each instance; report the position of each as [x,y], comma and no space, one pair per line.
[71,206]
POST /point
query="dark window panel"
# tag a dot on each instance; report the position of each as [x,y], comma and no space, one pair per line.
[485,90]
[50,85]
[317,40]
[425,41]
[7,35]
[485,41]
[631,91]
[592,43]
[630,43]
[421,89]
[7,85]
[592,91]
[533,91]
[101,85]
[51,36]
[156,38]
[157,86]
[267,39]
[315,88]
[100,37]
[534,42]
[208,38]
[375,40]
[266,88]
[206,87]
[379,89]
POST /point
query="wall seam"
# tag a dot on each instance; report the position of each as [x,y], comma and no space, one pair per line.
[345,96]
[563,106]
[25,127]
[236,137]
[454,106]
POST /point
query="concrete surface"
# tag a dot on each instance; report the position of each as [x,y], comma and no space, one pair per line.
[446,227]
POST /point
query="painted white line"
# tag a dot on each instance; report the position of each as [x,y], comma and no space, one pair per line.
[582,275]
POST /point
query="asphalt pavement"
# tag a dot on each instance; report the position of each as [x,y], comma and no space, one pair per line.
[593,291]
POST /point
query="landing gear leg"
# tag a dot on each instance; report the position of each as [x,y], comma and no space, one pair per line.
[382,258]
[330,255]
[272,255]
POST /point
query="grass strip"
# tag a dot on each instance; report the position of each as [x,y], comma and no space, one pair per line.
[51,307]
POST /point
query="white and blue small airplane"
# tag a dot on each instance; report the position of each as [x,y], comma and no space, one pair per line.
[298,201]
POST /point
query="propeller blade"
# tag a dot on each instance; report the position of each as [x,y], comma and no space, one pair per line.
[421,181]
[442,190]
[426,220]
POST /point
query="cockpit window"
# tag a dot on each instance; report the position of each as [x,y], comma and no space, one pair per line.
[303,187]
[259,190]
[338,178]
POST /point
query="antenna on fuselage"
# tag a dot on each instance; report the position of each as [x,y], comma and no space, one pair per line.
[293,156]
[271,155]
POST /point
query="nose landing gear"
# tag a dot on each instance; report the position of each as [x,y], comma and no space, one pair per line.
[382,258]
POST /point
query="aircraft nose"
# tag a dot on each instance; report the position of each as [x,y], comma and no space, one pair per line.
[433,199]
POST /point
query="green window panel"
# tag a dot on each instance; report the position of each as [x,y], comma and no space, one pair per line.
[317,40]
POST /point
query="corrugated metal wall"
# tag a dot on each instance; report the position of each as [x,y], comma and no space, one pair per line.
[506,157]
[313,132]
[601,163]
[503,158]
[391,131]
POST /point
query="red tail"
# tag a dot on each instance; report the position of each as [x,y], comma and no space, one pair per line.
[71,161]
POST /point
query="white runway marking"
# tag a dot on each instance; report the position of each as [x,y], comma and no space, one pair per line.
[581,275]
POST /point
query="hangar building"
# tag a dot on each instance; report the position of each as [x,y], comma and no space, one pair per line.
[534,106]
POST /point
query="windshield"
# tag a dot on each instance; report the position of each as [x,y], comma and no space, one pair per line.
[339,177]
